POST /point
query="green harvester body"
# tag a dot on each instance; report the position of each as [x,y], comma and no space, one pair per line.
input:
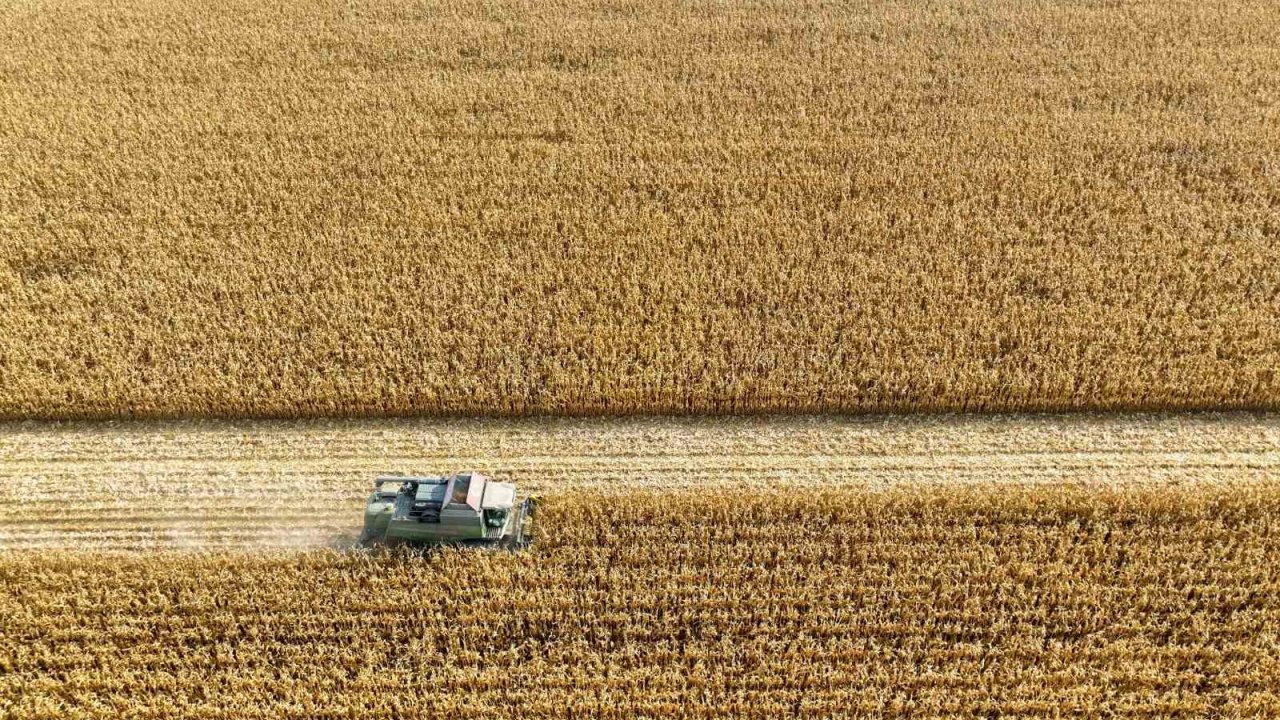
[459,509]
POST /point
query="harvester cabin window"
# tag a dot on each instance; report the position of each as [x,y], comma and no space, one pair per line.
[461,486]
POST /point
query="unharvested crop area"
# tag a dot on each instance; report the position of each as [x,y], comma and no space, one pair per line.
[503,207]
[980,601]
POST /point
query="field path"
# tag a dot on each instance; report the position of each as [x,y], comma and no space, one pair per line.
[242,484]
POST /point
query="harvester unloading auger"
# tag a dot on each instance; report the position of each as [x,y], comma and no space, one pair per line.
[460,509]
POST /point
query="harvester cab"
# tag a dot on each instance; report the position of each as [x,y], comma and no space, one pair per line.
[463,509]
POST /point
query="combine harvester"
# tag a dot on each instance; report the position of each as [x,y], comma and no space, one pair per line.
[460,509]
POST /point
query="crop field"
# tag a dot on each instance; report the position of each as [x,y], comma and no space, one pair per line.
[702,568]
[755,295]
[398,207]
[974,602]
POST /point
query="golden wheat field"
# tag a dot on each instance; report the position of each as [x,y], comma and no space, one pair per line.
[337,213]
[399,207]
[922,566]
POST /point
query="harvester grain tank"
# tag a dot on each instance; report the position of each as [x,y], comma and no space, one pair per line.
[460,509]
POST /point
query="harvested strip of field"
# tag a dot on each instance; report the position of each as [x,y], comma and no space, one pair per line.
[127,486]
[920,601]
[481,206]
